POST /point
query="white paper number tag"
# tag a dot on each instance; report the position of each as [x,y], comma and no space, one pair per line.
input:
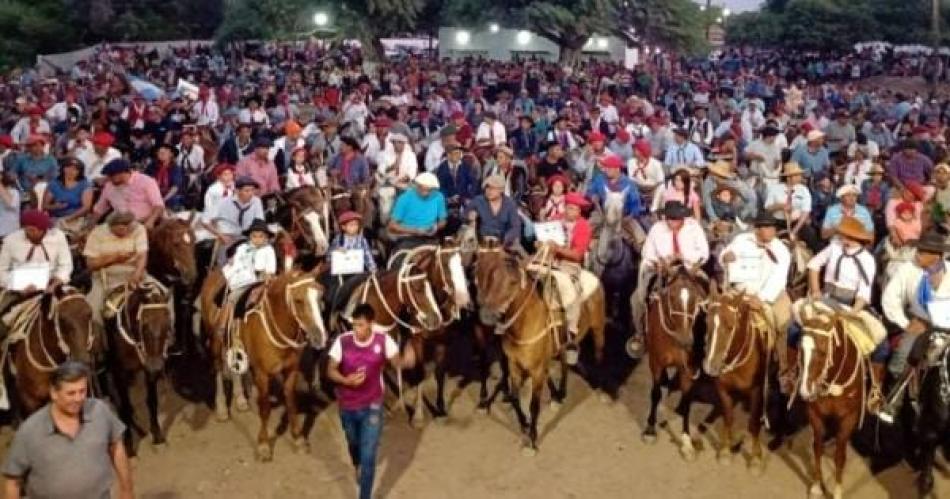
[745,270]
[30,274]
[345,262]
[939,310]
[552,232]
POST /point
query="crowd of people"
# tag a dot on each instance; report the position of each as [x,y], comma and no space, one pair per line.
[706,161]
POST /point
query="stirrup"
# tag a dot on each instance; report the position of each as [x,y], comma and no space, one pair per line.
[635,347]
[570,351]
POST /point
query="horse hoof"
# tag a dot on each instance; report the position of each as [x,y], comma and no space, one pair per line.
[528,451]
[417,423]
[648,436]
[264,453]
[756,466]
[242,405]
[724,457]
[482,410]
[686,448]
[816,491]
[221,414]
[555,406]
[838,492]
[301,445]
[604,398]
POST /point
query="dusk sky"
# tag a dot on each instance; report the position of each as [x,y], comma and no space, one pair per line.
[737,5]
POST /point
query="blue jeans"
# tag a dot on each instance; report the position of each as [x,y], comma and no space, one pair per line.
[363,428]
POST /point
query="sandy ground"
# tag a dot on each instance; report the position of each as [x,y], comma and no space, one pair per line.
[589,449]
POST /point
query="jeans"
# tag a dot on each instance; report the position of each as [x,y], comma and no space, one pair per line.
[363,428]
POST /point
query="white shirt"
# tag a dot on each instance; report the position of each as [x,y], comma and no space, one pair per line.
[770,167]
[258,117]
[59,112]
[206,113]
[691,239]
[213,197]
[407,165]
[262,259]
[609,114]
[496,132]
[871,149]
[282,145]
[434,155]
[193,160]
[901,290]
[774,274]
[857,172]
[94,162]
[21,131]
[16,248]
[849,276]
[646,176]
[374,150]
[800,203]
[297,179]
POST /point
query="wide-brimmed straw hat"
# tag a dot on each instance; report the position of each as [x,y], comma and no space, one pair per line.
[792,168]
[721,169]
[852,228]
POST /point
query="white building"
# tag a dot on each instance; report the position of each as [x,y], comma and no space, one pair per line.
[507,44]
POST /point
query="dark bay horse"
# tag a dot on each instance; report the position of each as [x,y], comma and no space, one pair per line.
[275,333]
[172,260]
[532,332]
[358,199]
[933,423]
[737,354]
[833,386]
[670,320]
[52,328]
[140,332]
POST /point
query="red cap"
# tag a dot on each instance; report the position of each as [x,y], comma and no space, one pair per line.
[204,91]
[103,139]
[381,122]
[611,161]
[595,137]
[35,218]
[623,135]
[349,216]
[223,167]
[576,199]
[643,147]
[919,129]
[6,141]
[34,138]
[807,127]
[34,109]
[458,115]
[558,178]
[916,189]
[904,206]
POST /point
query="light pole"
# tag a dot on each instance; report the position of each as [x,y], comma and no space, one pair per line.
[321,19]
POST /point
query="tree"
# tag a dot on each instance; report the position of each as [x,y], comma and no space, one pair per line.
[570,23]
[675,24]
[31,28]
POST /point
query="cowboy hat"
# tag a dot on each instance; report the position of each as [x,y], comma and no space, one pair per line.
[721,169]
[246,182]
[852,228]
[348,216]
[720,187]
[765,219]
[844,190]
[932,242]
[427,179]
[675,210]
[495,181]
[258,225]
[814,135]
[792,168]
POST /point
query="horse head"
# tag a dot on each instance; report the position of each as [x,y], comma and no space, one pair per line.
[498,277]
[303,296]
[613,207]
[468,243]
[537,197]
[452,272]
[819,341]
[723,316]
[153,317]
[72,321]
[173,255]
[682,299]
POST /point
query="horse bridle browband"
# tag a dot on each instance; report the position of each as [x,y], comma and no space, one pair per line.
[139,344]
[277,337]
[745,350]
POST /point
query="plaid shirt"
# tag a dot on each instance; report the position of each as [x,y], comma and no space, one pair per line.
[345,242]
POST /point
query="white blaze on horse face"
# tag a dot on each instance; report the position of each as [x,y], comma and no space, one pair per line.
[319,236]
[459,283]
[186,238]
[313,300]
[434,305]
[613,206]
[684,297]
[711,350]
[808,346]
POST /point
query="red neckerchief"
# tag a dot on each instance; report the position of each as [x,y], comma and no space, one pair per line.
[162,174]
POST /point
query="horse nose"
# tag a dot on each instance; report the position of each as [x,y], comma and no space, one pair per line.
[712,368]
[154,364]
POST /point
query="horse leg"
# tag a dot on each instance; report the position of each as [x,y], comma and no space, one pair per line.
[220,400]
[151,399]
[262,382]
[559,389]
[126,413]
[927,453]
[418,413]
[290,400]
[239,393]
[598,374]
[818,431]
[845,429]
[440,375]
[515,385]
[656,393]
[756,409]
[537,384]
[724,453]
[686,400]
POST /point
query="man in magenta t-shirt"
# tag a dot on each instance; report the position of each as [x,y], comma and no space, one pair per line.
[357,359]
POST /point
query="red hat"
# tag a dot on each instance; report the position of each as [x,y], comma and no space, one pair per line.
[558,178]
[103,139]
[34,138]
[595,137]
[381,122]
[204,91]
[654,120]
[34,109]
[6,141]
[349,216]
[807,127]
[611,161]
[35,218]
[576,199]
[916,189]
[919,129]
[905,206]
[623,135]
[458,115]
[643,147]
[223,167]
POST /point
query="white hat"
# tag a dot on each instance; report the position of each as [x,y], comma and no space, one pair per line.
[397,137]
[844,190]
[427,179]
[814,135]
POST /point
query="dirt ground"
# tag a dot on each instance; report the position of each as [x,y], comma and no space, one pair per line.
[589,449]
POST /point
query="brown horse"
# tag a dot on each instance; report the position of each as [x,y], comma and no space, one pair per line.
[531,331]
[833,386]
[213,287]
[670,319]
[275,333]
[737,354]
[306,215]
[171,256]
[139,335]
[358,199]
[51,329]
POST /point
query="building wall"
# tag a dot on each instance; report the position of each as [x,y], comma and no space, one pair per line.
[504,45]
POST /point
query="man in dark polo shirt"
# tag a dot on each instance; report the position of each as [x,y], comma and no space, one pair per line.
[69,448]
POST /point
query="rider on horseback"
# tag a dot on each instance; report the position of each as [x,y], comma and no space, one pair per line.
[849,274]
[254,261]
[678,238]
[916,286]
[771,258]
[419,213]
[613,181]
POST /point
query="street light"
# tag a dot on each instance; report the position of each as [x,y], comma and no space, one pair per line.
[523,37]
[726,12]
[602,43]
[493,27]
[463,37]
[321,19]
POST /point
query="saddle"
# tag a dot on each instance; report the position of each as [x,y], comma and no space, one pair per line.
[860,327]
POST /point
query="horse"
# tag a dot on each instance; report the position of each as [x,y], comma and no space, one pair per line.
[358,199]
[798,270]
[833,387]
[446,276]
[50,329]
[933,424]
[305,213]
[737,356]
[139,332]
[613,260]
[670,320]
[213,289]
[275,332]
[172,260]
[531,331]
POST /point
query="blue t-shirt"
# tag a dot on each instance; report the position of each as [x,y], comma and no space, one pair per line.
[71,197]
[415,212]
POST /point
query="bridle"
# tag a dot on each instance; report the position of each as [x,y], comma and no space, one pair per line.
[265,312]
[745,349]
[47,363]
[448,283]
[667,313]
[149,302]
[404,280]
